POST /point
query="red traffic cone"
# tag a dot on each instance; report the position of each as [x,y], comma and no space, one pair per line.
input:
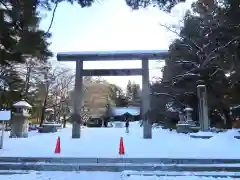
[58,146]
[121,147]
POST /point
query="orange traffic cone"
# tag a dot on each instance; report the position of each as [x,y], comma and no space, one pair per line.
[58,146]
[121,147]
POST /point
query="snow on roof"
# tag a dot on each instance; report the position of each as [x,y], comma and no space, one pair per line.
[112,55]
[188,109]
[201,86]
[22,103]
[49,110]
[119,111]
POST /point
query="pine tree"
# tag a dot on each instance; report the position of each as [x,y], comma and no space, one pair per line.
[20,36]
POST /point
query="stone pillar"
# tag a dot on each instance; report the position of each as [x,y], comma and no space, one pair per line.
[77,100]
[2,128]
[147,125]
[19,123]
[203,108]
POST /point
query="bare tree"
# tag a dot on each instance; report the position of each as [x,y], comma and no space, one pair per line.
[60,92]
[32,72]
[53,90]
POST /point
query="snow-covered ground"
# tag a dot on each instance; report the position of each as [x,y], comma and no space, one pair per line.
[96,176]
[63,176]
[104,142]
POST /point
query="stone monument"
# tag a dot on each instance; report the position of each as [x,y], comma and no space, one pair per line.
[203,108]
[204,132]
[19,123]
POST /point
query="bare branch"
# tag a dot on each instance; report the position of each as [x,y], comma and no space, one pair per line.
[185,37]
[59,103]
[188,62]
[163,94]
[5,5]
[215,72]
[209,59]
[53,16]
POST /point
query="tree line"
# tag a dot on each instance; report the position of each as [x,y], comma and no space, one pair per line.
[206,51]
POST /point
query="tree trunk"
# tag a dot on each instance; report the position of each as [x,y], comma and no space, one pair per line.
[2,99]
[43,111]
[226,112]
[64,121]
[27,80]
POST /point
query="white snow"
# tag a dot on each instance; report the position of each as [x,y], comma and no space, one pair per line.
[49,110]
[98,176]
[172,178]
[51,124]
[202,133]
[182,173]
[201,86]
[188,109]
[63,176]
[110,53]
[22,104]
[127,164]
[171,109]
[104,142]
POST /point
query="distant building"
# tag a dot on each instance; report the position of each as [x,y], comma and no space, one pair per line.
[104,116]
[120,113]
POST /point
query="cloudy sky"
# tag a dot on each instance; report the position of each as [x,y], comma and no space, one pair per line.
[111,25]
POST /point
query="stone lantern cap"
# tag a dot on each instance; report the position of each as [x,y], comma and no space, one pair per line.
[188,109]
[22,103]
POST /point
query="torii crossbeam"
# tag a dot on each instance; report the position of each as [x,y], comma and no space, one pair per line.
[143,55]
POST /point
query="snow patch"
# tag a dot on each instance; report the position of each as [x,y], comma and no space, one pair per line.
[202,133]
[104,143]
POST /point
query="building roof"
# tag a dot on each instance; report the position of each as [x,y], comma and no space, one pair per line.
[112,55]
[119,111]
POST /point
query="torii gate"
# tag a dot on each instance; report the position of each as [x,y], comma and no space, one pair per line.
[79,57]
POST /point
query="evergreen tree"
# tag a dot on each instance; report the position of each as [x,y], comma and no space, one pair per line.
[165,5]
[207,49]
[20,36]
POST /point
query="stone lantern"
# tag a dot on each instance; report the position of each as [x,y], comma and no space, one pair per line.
[181,118]
[186,125]
[49,115]
[19,124]
[182,126]
[189,119]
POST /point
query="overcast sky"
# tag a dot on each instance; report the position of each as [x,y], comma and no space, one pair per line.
[111,25]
